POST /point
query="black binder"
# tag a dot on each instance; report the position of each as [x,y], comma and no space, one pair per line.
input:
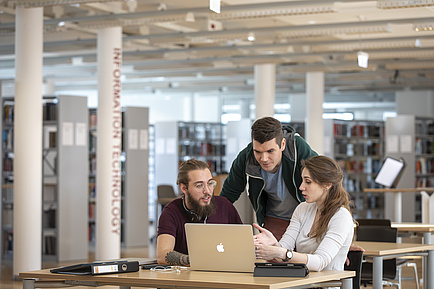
[99,268]
[280,270]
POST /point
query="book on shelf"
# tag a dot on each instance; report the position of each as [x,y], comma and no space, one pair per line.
[50,245]
[49,218]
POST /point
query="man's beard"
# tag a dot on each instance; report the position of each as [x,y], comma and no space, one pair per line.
[201,211]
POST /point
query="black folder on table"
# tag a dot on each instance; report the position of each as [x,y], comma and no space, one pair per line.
[98,268]
[280,270]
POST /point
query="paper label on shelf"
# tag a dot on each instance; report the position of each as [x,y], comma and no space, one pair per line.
[133,139]
[392,144]
[159,146]
[80,134]
[171,146]
[405,144]
[67,133]
[144,139]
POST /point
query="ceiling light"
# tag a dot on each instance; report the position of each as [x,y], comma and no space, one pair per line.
[190,17]
[251,36]
[394,4]
[214,5]
[61,23]
[362,59]
[423,27]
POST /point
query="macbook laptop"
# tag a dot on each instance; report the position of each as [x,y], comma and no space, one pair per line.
[220,247]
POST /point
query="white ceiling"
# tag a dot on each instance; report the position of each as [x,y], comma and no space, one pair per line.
[176,46]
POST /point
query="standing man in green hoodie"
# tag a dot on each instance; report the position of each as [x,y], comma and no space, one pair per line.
[269,168]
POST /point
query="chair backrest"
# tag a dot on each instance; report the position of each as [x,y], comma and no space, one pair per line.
[166,191]
[378,234]
[356,258]
[374,222]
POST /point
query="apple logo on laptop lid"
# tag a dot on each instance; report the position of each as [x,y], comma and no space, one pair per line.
[220,248]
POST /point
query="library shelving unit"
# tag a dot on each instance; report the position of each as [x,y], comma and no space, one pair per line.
[358,147]
[92,173]
[64,156]
[177,141]
[7,180]
[135,175]
[412,138]
[298,126]
[152,190]
[65,171]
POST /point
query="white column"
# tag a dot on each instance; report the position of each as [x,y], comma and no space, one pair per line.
[28,140]
[109,134]
[265,89]
[314,101]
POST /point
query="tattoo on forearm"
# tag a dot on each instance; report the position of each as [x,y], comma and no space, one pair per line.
[176,258]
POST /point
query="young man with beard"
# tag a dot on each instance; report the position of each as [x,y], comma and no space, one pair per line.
[197,205]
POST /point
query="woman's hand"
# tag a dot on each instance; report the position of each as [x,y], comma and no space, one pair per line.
[265,237]
[267,252]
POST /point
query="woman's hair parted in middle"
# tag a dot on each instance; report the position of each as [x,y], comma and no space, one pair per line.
[326,171]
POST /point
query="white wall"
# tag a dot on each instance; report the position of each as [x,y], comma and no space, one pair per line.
[419,103]
[168,108]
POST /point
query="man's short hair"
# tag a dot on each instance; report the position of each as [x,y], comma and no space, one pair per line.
[267,128]
[188,166]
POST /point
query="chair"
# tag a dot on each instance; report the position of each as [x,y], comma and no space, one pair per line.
[165,194]
[374,222]
[392,268]
[356,258]
[165,191]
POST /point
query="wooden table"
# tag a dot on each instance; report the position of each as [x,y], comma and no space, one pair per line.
[426,229]
[186,279]
[384,250]
[398,197]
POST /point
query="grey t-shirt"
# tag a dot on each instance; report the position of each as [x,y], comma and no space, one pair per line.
[281,204]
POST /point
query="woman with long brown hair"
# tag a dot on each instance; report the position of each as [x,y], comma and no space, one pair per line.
[321,229]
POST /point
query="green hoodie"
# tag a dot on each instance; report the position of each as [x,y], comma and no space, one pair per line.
[246,171]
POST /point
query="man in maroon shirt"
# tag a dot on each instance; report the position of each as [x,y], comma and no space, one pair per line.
[197,205]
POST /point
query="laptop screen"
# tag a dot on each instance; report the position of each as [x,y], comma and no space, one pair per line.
[390,172]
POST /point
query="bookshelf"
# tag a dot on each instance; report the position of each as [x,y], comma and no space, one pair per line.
[92,173]
[135,176]
[6,215]
[358,147]
[411,138]
[179,141]
[64,178]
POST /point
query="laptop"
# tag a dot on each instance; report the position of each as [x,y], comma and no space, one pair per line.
[390,172]
[220,247]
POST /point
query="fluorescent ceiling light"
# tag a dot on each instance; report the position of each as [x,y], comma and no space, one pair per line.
[362,59]
[214,5]
[190,17]
[394,4]
[338,115]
